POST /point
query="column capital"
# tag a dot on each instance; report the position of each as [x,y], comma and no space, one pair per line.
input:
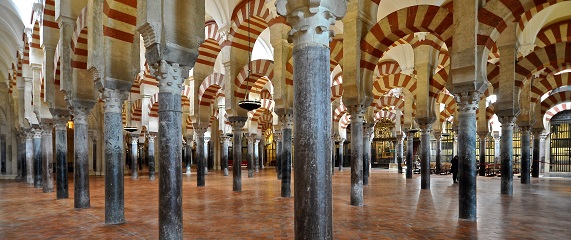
[251,137]
[237,123]
[524,128]
[357,113]
[151,137]
[37,132]
[80,115]
[134,138]
[468,101]
[278,136]
[508,120]
[206,140]
[113,100]
[170,76]
[29,134]
[225,139]
[483,135]
[60,122]
[200,131]
[287,121]
[47,128]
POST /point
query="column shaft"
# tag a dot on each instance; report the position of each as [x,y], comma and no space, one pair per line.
[286,159]
[438,164]
[409,154]
[341,155]
[200,156]
[525,155]
[368,129]
[151,156]
[81,167]
[188,154]
[535,163]
[482,154]
[399,152]
[425,157]
[61,156]
[134,161]
[3,154]
[506,148]
[37,141]
[279,151]
[357,113]
[47,158]
[467,154]
[250,157]
[237,124]
[256,155]
[224,156]
[29,153]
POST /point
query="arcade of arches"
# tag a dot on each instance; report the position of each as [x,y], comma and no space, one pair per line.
[142,90]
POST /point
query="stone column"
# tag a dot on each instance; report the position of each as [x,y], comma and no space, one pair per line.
[171,77]
[225,140]
[200,156]
[94,153]
[134,158]
[544,165]
[483,137]
[438,164]
[368,129]
[333,154]
[287,121]
[399,151]
[188,154]
[29,153]
[506,147]
[262,151]
[525,155]
[467,106]
[151,155]
[251,138]
[409,153]
[37,142]
[207,160]
[21,157]
[341,155]
[279,151]
[237,123]
[60,121]
[3,154]
[425,129]
[114,168]
[357,114]
[47,158]
[257,155]
[536,158]
[81,145]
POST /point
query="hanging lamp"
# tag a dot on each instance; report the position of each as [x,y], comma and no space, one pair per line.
[248,104]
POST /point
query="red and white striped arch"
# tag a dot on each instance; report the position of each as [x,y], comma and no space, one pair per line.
[336,53]
[557,109]
[388,67]
[337,86]
[528,15]
[185,96]
[345,121]
[137,110]
[554,100]
[79,42]
[493,75]
[209,88]
[385,115]
[148,77]
[554,33]
[431,40]
[289,72]
[384,101]
[261,71]
[120,19]
[265,94]
[540,58]
[450,105]
[385,83]
[258,18]
[438,82]
[210,48]
[547,84]
[339,112]
[49,18]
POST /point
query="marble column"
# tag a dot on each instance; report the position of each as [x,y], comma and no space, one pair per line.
[19,168]
[409,153]
[287,126]
[399,151]
[47,158]
[171,78]
[368,129]
[497,151]
[200,156]
[151,155]
[60,121]
[29,153]
[188,154]
[81,145]
[257,155]
[341,154]
[525,155]
[37,142]
[225,140]
[438,163]
[535,155]
[134,158]
[279,150]
[94,153]
[22,159]
[237,123]
[543,150]
[251,138]
[114,168]
[483,137]
[207,160]
[357,114]
[3,154]
[506,147]
[467,107]
[425,129]
[262,151]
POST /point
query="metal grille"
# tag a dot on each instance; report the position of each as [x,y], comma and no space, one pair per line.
[447,143]
[560,160]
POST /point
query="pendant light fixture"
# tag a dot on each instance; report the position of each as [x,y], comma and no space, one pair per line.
[248,104]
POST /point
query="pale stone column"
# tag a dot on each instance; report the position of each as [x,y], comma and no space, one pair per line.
[237,123]
[409,153]
[425,129]
[257,155]
[29,153]
[151,155]
[438,160]
[368,129]
[47,158]
[483,137]
[251,138]
[279,149]
[535,155]
[544,147]
[310,22]
[37,142]
[225,140]
[188,154]
[357,114]
[60,121]
[506,148]
[286,159]
[114,161]
[496,137]
[399,151]
[134,158]
[200,156]
[341,154]
[525,155]
[207,162]
[81,145]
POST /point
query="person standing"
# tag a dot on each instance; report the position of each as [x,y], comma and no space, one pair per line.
[454,168]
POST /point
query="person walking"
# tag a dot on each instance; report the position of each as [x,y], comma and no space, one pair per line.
[454,169]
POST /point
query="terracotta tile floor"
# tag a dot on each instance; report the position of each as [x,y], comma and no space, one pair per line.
[395,208]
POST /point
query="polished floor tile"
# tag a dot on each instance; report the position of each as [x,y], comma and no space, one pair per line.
[395,208]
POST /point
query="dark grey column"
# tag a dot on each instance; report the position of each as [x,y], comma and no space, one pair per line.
[506,148]
[334,137]
[251,138]
[237,123]
[357,114]
[134,158]
[113,138]
[200,156]
[535,163]
[20,137]
[29,153]
[287,120]
[47,158]
[81,145]
[341,154]
[399,151]
[438,167]
[60,120]
[171,77]
[3,154]
[37,142]
[525,155]
[279,149]
[368,129]
[94,153]
[425,155]
[257,155]
[207,160]
[151,155]
[262,151]
[467,154]
[224,156]
[188,154]
[409,153]
[22,159]
[483,136]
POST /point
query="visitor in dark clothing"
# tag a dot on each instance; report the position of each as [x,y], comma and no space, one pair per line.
[454,168]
